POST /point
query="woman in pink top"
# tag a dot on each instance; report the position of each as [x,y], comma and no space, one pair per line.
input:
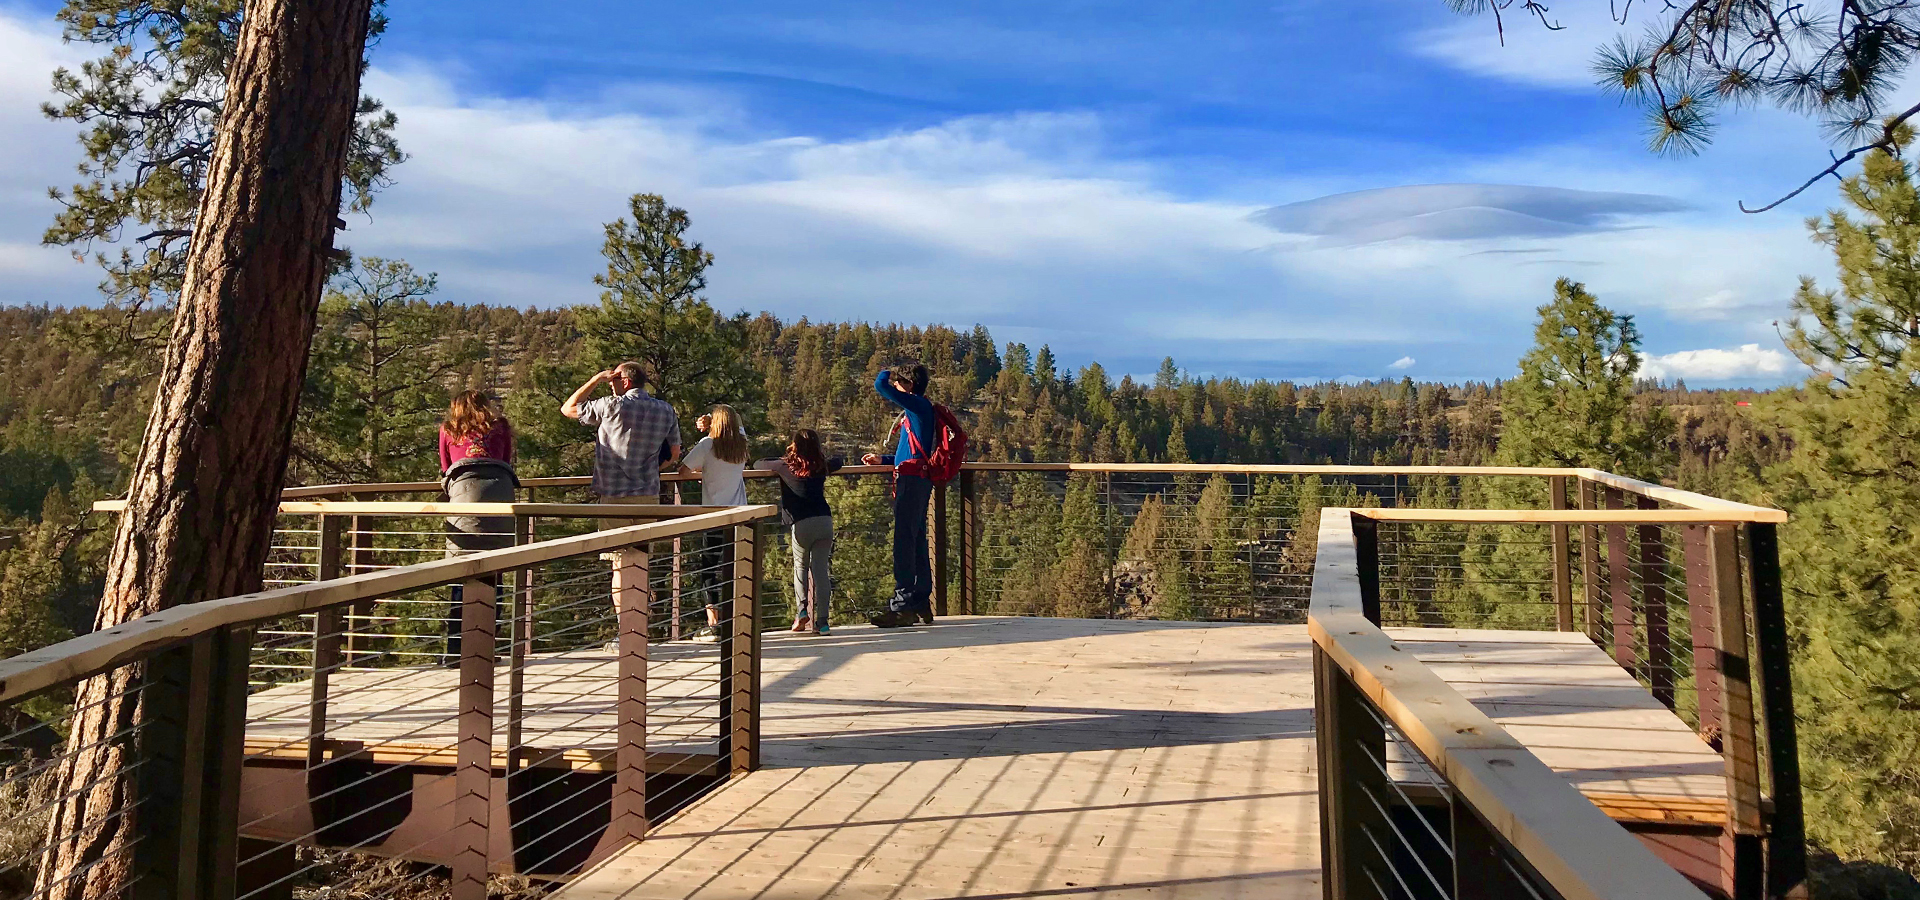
[476,463]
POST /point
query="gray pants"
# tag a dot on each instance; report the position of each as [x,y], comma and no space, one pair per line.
[811,541]
[468,534]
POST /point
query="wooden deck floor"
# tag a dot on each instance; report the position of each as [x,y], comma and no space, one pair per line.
[996,757]
[1031,757]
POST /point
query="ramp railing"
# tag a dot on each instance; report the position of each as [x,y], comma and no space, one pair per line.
[257,745]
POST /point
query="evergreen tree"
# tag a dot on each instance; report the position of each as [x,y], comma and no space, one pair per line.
[382,368]
[651,310]
[1573,402]
[150,105]
[1851,548]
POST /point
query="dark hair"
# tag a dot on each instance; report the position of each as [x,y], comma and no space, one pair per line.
[804,455]
[912,373]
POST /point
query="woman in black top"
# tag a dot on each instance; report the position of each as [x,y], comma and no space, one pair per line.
[803,475]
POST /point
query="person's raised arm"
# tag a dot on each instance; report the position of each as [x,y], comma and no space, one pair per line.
[571,408]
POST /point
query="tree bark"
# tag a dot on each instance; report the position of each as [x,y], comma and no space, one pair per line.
[201,504]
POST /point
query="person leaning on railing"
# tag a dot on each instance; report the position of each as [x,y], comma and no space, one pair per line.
[804,511]
[476,466]
[720,457]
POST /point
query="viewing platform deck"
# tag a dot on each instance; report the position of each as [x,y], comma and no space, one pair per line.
[1002,757]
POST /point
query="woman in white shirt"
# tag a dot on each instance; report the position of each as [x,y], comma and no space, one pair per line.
[720,457]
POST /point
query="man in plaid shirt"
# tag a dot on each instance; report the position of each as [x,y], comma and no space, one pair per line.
[637,433]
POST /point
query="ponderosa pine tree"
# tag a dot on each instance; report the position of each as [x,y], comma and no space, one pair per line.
[382,367]
[651,310]
[1572,403]
[151,104]
[1850,550]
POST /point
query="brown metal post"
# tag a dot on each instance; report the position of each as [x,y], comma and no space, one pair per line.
[1562,557]
[1700,627]
[360,562]
[633,598]
[969,534]
[744,651]
[520,603]
[1786,834]
[1653,606]
[1620,585]
[939,538]
[329,625]
[1591,617]
[473,772]
[679,562]
[1741,863]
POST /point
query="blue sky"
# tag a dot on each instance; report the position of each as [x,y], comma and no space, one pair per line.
[1244,186]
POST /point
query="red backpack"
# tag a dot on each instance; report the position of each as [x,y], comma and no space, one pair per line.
[941,465]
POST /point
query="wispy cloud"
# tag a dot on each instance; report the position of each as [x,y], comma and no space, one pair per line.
[1404,362]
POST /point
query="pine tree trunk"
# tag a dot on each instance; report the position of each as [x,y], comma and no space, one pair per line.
[201,503]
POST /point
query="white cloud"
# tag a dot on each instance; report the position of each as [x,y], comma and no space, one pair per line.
[1404,362]
[1748,362]
[1531,55]
[1031,223]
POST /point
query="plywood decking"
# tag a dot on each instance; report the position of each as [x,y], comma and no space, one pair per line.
[1009,757]
[1583,716]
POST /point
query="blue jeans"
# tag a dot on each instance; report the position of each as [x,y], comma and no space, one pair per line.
[912,570]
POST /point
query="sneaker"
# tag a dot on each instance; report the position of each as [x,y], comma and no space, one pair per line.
[821,630]
[802,625]
[891,619]
[711,634]
[925,617]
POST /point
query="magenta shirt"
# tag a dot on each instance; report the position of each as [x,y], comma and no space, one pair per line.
[498,444]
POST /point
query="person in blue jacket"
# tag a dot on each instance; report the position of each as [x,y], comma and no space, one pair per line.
[905,386]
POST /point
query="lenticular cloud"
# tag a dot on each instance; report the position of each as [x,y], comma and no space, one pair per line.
[1462,212]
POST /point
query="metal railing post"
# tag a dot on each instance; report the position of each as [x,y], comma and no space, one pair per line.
[1590,566]
[473,773]
[743,674]
[969,541]
[1741,866]
[329,629]
[939,537]
[520,637]
[1366,548]
[1620,585]
[1343,728]
[1562,556]
[1786,835]
[679,570]
[633,597]
[1700,627]
[1653,607]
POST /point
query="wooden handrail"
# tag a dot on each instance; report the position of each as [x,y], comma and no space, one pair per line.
[1570,842]
[1577,516]
[78,657]
[1737,512]
[410,508]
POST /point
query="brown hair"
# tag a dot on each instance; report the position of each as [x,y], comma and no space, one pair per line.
[471,415]
[729,437]
[804,456]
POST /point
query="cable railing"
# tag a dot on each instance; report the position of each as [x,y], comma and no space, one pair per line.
[1662,603]
[415,729]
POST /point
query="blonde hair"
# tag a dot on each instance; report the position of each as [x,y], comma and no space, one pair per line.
[471,415]
[729,437]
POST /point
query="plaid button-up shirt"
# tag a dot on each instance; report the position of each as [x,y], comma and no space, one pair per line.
[632,430]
